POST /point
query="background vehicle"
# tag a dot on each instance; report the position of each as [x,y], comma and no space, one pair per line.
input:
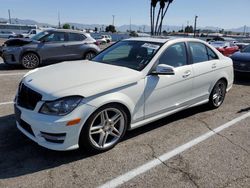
[129,84]
[49,46]
[226,48]
[7,34]
[241,45]
[100,40]
[241,60]
[17,28]
[30,33]
[108,38]
[225,39]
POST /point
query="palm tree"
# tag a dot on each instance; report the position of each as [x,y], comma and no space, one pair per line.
[164,14]
[162,5]
[152,14]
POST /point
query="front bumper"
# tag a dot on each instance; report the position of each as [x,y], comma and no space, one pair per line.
[243,67]
[52,132]
[11,56]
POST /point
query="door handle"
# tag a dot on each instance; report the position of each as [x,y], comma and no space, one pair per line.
[214,66]
[186,74]
[64,45]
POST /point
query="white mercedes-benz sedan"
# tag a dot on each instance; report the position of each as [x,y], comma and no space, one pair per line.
[130,84]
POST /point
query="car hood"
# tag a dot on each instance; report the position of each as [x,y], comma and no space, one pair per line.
[83,78]
[239,56]
[19,42]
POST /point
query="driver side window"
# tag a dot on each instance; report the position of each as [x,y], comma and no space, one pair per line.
[175,55]
[55,37]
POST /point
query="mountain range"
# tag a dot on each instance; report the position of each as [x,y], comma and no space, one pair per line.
[122,28]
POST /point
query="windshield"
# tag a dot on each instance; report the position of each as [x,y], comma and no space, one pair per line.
[246,49]
[39,36]
[132,54]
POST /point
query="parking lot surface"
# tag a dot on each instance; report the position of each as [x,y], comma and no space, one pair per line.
[222,160]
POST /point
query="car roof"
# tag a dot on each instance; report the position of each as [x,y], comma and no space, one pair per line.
[162,39]
[66,31]
[148,39]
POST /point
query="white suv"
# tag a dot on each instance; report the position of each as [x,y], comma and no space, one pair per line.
[130,84]
[108,38]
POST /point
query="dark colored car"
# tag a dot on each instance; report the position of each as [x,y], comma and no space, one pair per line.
[241,60]
[49,46]
[226,48]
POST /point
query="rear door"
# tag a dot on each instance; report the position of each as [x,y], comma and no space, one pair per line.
[75,45]
[205,64]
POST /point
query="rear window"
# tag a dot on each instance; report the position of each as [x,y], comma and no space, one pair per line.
[76,37]
[200,52]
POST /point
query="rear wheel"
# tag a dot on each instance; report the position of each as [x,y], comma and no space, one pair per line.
[89,55]
[104,129]
[30,60]
[218,94]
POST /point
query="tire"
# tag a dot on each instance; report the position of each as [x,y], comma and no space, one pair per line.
[104,128]
[89,55]
[218,94]
[30,60]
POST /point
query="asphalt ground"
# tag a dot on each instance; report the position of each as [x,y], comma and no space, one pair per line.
[222,160]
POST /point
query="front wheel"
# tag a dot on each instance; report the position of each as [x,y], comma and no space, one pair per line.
[30,60]
[104,129]
[218,94]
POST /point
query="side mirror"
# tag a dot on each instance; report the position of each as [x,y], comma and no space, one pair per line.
[163,69]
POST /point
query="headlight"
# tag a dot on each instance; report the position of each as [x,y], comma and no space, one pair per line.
[61,107]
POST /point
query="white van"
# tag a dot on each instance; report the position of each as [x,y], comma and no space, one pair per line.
[31,33]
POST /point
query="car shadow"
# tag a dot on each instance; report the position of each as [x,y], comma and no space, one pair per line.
[5,67]
[21,156]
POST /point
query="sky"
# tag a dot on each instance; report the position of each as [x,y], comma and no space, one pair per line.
[225,14]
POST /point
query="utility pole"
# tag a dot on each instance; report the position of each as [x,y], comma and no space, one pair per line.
[245,28]
[113,23]
[9,16]
[130,25]
[195,24]
[59,20]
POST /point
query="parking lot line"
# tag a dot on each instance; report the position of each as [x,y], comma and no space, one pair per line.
[159,160]
[5,103]
[13,74]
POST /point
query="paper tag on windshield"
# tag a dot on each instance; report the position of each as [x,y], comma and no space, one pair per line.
[151,46]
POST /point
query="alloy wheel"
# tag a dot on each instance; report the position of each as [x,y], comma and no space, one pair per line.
[30,61]
[107,128]
[219,94]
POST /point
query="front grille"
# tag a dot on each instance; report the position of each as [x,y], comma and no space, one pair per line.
[26,127]
[27,98]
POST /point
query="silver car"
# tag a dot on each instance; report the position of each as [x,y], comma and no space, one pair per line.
[49,46]
[7,34]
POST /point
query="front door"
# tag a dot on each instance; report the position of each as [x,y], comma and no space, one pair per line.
[166,93]
[53,47]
